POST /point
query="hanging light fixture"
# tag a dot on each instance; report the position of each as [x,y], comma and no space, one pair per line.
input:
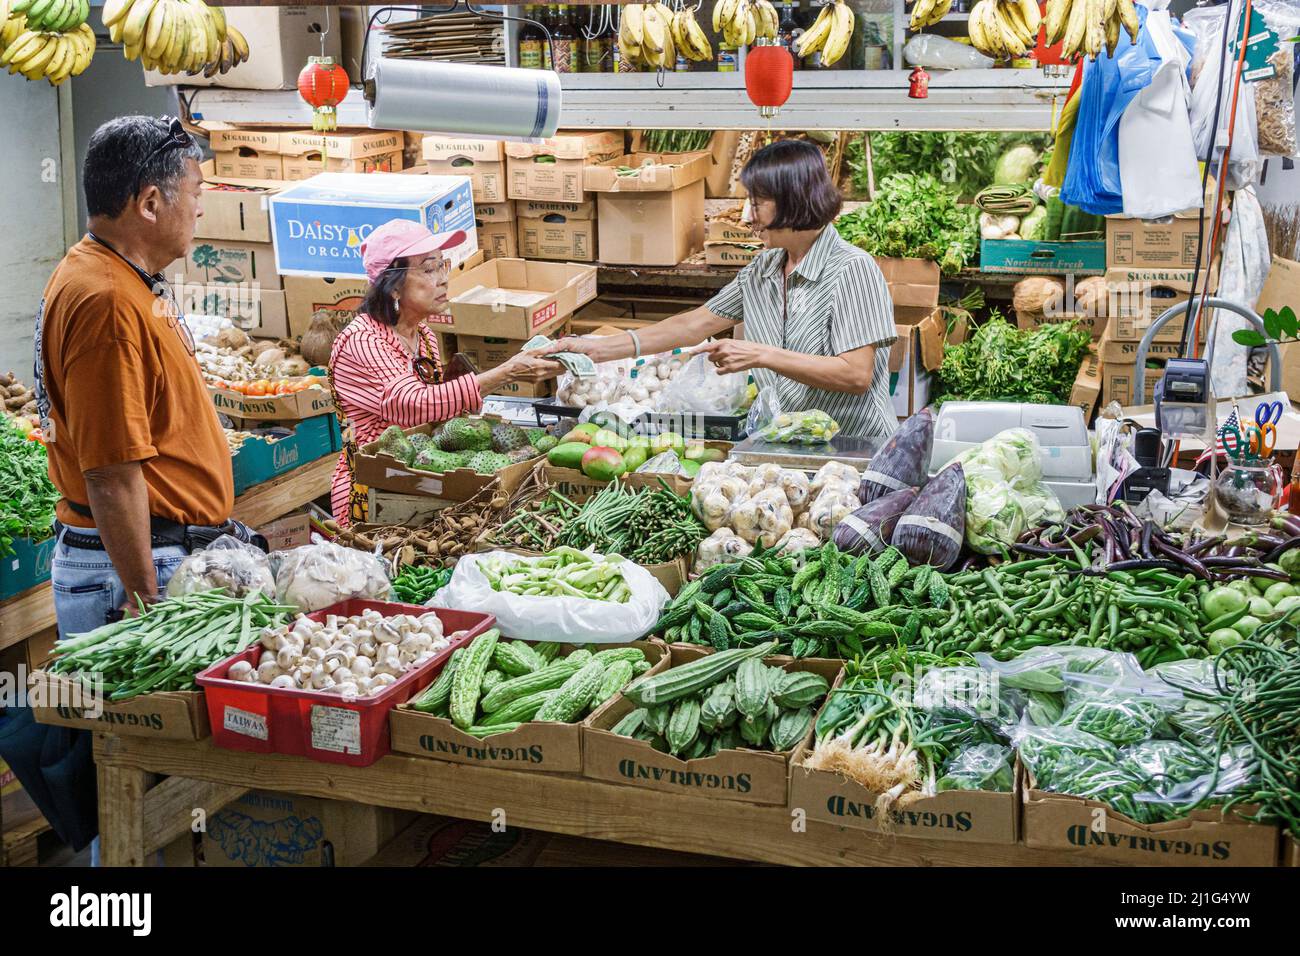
[769,76]
[323,83]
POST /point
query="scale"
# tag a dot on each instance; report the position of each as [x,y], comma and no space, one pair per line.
[854,452]
[1061,431]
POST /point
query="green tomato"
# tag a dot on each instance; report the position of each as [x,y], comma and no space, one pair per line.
[1261,585]
[1247,626]
[1286,605]
[1223,637]
[1223,600]
[1290,562]
[1261,608]
[1243,586]
[1279,590]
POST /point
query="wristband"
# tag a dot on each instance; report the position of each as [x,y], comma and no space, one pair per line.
[636,343]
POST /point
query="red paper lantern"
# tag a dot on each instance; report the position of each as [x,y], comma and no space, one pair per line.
[323,84]
[769,75]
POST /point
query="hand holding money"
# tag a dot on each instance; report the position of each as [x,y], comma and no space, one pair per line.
[580,365]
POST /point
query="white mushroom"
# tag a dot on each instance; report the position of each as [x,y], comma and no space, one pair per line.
[316,654]
[346,689]
[241,670]
[287,657]
[268,671]
[284,680]
[362,666]
[266,656]
[382,680]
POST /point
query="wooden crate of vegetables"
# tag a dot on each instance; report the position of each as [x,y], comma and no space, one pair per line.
[518,704]
[26,507]
[843,776]
[147,665]
[719,724]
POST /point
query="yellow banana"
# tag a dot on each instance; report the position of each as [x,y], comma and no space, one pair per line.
[1032,16]
[156,33]
[1109,8]
[114,11]
[1095,37]
[1129,18]
[696,38]
[1113,27]
[1058,15]
[136,22]
[1010,14]
[219,18]
[811,40]
[653,36]
[1074,28]
[61,50]
[22,47]
[35,61]
[631,23]
[769,22]
[841,33]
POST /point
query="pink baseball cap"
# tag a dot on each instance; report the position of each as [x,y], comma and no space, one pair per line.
[399,238]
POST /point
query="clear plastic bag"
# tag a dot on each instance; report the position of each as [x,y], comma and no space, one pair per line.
[605,386]
[968,692]
[809,427]
[1044,750]
[981,767]
[1005,491]
[700,389]
[720,547]
[226,563]
[665,463]
[1040,669]
[320,574]
[1123,711]
[939,53]
[1275,108]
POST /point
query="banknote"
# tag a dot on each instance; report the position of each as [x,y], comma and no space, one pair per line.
[578,364]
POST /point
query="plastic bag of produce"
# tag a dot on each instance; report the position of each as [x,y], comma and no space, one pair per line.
[720,547]
[1038,669]
[323,573]
[605,386]
[980,767]
[1164,769]
[940,53]
[577,620]
[903,461]
[699,388]
[968,692]
[1121,711]
[666,463]
[832,506]
[798,540]
[1006,493]
[868,529]
[811,427]
[794,484]
[833,472]
[931,530]
[764,518]
[226,563]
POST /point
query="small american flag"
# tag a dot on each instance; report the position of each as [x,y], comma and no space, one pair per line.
[1232,422]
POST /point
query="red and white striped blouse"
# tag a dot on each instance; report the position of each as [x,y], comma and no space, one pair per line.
[376,386]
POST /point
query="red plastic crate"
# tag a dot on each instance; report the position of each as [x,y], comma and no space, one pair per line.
[262,719]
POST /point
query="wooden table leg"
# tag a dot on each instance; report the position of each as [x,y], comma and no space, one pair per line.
[121,815]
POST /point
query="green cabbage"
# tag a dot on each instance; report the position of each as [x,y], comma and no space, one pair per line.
[1031,227]
[1019,164]
[1005,492]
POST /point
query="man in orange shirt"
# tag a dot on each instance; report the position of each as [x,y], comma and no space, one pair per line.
[135,446]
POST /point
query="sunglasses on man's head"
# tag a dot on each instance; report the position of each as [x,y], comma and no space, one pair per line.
[177,138]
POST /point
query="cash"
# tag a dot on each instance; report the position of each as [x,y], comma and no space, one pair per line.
[577,364]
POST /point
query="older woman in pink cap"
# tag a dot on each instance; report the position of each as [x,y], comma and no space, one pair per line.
[385,365]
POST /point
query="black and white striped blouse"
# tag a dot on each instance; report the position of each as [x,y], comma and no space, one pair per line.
[834,301]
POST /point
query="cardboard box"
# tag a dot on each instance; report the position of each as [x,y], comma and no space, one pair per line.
[913,358]
[245,153]
[259,459]
[223,261]
[341,297]
[1282,288]
[1035,257]
[1095,324]
[1118,382]
[543,389]
[542,746]
[482,160]
[1137,244]
[753,776]
[552,170]
[291,531]
[28,566]
[723,181]
[309,403]
[486,352]
[1087,384]
[280,40]
[1092,830]
[651,228]
[498,234]
[913,287]
[564,231]
[280,829]
[1136,298]
[318,225]
[1124,352]
[306,153]
[236,213]
[655,172]
[515,298]
[379,470]
[736,254]
[262,314]
[172,715]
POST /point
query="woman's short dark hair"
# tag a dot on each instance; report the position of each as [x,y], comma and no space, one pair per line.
[792,174]
[380,302]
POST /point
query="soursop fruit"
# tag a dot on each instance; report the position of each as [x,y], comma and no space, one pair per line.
[464,434]
[535,435]
[431,459]
[507,437]
[522,454]
[393,441]
[488,462]
[420,440]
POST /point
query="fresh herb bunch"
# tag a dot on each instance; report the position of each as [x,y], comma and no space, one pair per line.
[914,216]
[1003,363]
[962,162]
[27,504]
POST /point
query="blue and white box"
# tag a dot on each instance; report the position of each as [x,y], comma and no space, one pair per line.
[318,225]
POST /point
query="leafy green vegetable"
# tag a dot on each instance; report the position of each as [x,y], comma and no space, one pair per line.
[963,162]
[1003,363]
[913,216]
[27,505]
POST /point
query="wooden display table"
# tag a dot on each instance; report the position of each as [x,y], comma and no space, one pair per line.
[138,816]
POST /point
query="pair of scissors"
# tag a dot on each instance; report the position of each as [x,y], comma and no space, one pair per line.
[1237,444]
[1267,415]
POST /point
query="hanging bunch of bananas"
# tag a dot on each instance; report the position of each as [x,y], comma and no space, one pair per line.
[1084,26]
[926,13]
[48,16]
[1004,28]
[43,54]
[175,36]
[645,36]
[830,33]
[689,37]
[741,22]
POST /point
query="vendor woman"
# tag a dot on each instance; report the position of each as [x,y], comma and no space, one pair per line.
[385,367]
[818,320]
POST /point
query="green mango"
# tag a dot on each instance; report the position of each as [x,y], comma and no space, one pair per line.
[568,454]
